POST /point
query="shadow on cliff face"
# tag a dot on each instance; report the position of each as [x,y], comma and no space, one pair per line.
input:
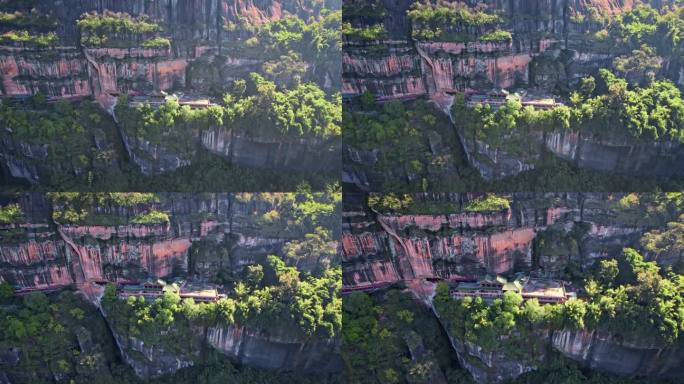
[6,179]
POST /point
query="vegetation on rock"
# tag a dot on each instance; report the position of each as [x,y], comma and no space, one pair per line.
[118,29]
[625,297]
[10,214]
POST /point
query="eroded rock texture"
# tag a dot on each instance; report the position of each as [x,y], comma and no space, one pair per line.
[208,234]
[549,51]
[379,248]
[203,59]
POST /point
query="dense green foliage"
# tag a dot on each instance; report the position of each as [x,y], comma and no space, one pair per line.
[655,112]
[393,339]
[400,132]
[405,135]
[640,304]
[497,35]
[157,42]
[62,137]
[405,204]
[667,244]
[150,218]
[449,20]
[47,124]
[309,46]
[10,214]
[662,29]
[372,32]
[487,203]
[25,38]
[86,207]
[22,19]
[118,29]
[380,331]
[389,202]
[279,299]
[260,109]
[47,331]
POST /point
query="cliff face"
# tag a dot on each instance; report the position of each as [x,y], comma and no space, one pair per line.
[378,249]
[602,352]
[622,156]
[276,350]
[609,353]
[549,50]
[56,255]
[203,58]
[492,366]
[149,361]
[417,246]
[237,147]
[208,234]
[402,65]
[196,29]
[44,254]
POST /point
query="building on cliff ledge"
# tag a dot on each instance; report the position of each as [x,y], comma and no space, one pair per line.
[490,288]
[152,290]
[498,97]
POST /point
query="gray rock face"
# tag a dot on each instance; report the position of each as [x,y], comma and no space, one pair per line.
[273,153]
[22,159]
[610,354]
[149,361]
[276,350]
[494,163]
[488,367]
[601,352]
[626,156]
[619,156]
[153,159]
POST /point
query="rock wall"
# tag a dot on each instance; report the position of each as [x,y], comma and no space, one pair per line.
[45,254]
[149,361]
[55,72]
[196,29]
[402,66]
[549,51]
[275,349]
[614,354]
[620,156]
[207,234]
[379,249]
[610,353]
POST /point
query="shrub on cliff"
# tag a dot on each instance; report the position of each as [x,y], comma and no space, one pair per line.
[157,42]
[488,203]
[496,35]
[47,330]
[25,38]
[449,21]
[151,218]
[373,32]
[119,29]
[86,207]
[393,338]
[10,214]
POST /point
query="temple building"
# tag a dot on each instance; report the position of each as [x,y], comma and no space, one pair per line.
[151,290]
[490,288]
